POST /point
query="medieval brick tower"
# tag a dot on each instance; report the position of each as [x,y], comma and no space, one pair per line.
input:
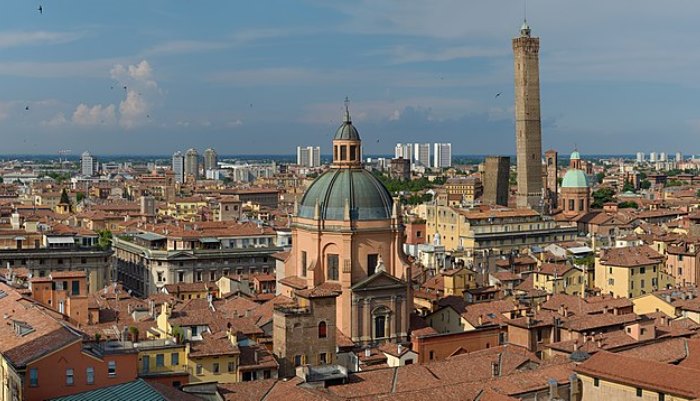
[527,119]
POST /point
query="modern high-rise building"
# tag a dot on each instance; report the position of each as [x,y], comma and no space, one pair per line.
[662,157]
[640,157]
[442,155]
[421,154]
[496,180]
[211,160]
[309,156]
[179,167]
[192,163]
[652,157]
[87,164]
[528,130]
[679,157]
[404,150]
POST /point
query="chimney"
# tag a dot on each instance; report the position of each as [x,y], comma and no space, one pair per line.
[399,349]
[574,387]
[368,352]
[553,389]
[495,369]
[481,320]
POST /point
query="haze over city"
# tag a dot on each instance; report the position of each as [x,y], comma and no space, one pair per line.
[616,76]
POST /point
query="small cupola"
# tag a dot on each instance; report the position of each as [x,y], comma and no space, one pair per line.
[347,151]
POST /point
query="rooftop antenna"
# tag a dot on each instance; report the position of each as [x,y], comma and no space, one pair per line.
[525,10]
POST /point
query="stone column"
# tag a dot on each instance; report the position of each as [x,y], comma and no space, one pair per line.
[366,331]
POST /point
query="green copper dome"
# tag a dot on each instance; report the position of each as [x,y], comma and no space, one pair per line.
[575,155]
[575,178]
[367,197]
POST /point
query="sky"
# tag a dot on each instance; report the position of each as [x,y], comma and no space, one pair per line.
[261,77]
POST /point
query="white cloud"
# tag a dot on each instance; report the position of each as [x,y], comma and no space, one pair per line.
[141,89]
[86,115]
[55,121]
[16,39]
[133,110]
[140,73]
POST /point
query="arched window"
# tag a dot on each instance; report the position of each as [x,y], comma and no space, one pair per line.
[322,330]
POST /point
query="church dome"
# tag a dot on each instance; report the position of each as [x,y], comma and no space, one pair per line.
[575,155]
[367,197]
[575,178]
[347,131]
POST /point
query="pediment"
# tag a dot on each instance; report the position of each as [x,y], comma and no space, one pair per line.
[379,280]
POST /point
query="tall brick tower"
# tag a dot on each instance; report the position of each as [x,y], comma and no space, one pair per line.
[528,133]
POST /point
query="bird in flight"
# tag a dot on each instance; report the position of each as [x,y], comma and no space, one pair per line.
[26,107]
[498,94]
[40,9]
[124,87]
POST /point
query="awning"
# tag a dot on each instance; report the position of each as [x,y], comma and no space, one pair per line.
[209,240]
[60,240]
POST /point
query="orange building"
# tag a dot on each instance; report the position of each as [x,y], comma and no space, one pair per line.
[43,357]
[347,236]
[65,292]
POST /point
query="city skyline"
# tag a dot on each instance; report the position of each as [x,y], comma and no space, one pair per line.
[418,71]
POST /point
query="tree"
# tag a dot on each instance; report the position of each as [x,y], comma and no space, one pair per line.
[676,183]
[79,197]
[602,196]
[628,187]
[134,334]
[599,177]
[64,197]
[105,239]
[179,334]
[645,184]
[628,205]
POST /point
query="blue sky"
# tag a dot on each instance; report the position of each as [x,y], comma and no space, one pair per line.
[251,77]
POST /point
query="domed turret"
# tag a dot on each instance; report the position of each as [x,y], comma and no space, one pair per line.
[347,151]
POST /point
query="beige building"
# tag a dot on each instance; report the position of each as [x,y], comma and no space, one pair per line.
[470,233]
[304,332]
[615,377]
[631,271]
[469,188]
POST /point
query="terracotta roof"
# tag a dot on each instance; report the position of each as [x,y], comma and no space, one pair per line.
[41,333]
[631,256]
[255,357]
[213,345]
[646,374]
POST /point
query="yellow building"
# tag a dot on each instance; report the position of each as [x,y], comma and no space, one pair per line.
[616,377]
[164,361]
[184,208]
[631,271]
[559,278]
[651,303]
[473,232]
[469,188]
[215,358]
